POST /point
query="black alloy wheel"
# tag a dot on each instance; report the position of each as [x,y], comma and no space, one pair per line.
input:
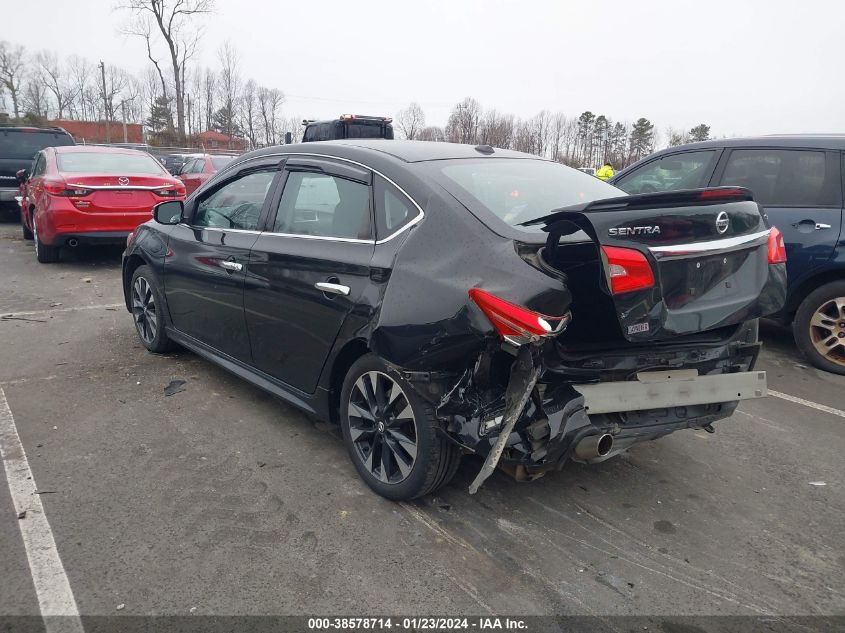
[392,434]
[148,311]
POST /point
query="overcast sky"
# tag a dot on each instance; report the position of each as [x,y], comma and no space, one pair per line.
[743,66]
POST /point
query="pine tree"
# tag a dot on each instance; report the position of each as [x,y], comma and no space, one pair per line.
[641,140]
[700,132]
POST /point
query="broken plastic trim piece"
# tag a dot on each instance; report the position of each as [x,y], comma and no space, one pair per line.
[524,374]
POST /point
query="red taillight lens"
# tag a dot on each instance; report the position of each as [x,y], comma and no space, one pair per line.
[777,249]
[55,187]
[61,188]
[628,269]
[513,320]
[175,192]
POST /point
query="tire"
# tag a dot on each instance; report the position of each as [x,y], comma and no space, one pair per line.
[820,319]
[27,234]
[397,450]
[45,254]
[147,307]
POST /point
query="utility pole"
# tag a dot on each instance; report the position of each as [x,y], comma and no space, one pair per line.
[123,109]
[105,101]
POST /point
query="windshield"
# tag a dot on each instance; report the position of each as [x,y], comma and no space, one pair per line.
[108,163]
[220,162]
[24,145]
[518,190]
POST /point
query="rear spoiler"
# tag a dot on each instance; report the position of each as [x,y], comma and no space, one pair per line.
[680,198]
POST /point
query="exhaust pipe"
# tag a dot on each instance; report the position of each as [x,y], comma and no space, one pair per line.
[594,446]
[73,242]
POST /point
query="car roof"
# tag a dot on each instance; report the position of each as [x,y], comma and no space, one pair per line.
[405,151]
[820,141]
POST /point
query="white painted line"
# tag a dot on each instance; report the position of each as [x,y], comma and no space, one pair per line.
[807,403]
[105,306]
[52,587]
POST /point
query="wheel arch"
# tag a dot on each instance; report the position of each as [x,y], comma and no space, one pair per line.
[351,351]
[132,263]
[807,286]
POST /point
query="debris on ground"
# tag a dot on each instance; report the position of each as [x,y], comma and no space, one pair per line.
[817,483]
[174,387]
[11,317]
[22,515]
[121,607]
[87,280]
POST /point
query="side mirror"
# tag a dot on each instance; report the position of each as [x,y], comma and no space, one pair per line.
[169,212]
[22,175]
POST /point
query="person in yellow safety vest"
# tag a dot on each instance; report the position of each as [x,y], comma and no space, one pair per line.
[606,172]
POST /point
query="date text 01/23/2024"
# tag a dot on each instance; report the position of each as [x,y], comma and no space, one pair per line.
[416,624]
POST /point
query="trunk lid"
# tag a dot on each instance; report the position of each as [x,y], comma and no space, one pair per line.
[128,194]
[707,251]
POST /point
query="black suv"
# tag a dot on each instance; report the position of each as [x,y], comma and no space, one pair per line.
[18,146]
[799,180]
[348,126]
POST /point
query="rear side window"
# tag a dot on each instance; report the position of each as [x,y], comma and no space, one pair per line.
[237,204]
[24,145]
[393,209]
[324,206]
[784,177]
[108,163]
[690,170]
[198,166]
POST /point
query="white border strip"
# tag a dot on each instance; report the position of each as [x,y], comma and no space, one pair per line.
[807,403]
[52,587]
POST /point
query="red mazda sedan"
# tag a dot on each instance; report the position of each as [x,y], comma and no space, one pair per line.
[80,195]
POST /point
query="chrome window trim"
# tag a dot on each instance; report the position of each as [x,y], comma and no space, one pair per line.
[418,218]
[711,247]
[217,228]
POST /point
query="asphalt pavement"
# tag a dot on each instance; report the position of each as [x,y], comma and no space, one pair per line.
[221,500]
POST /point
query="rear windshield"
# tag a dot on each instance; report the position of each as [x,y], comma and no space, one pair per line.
[518,190]
[24,145]
[220,162]
[108,163]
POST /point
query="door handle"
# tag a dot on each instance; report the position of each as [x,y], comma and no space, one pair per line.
[820,226]
[231,266]
[330,288]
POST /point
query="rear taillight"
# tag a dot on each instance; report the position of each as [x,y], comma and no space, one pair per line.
[515,322]
[627,269]
[61,188]
[777,249]
[171,193]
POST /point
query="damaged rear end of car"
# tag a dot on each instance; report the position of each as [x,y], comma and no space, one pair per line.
[621,320]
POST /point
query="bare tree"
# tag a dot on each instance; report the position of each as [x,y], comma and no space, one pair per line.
[411,121]
[209,90]
[432,133]
[35,97]
[56,79]
[12,64]
[173,19]
[463,123]
[230,88]
[249,112]
[269,102]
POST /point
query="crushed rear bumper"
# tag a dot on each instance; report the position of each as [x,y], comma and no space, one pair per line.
[535,423]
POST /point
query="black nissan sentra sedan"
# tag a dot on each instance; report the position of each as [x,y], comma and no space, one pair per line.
[437,300]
